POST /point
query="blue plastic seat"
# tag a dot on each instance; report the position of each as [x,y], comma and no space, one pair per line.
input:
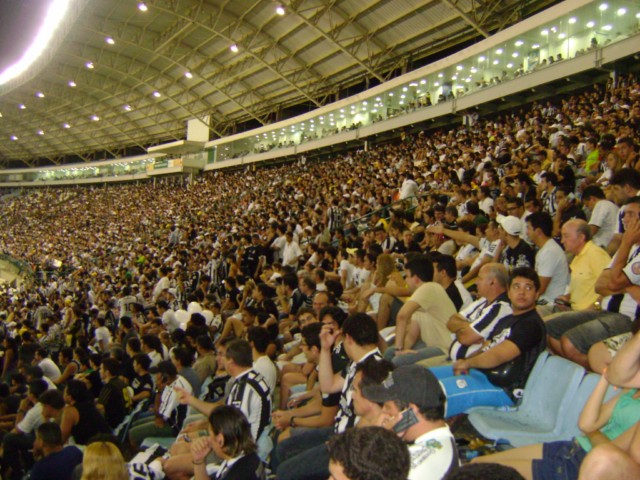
[548,394]
[569,427]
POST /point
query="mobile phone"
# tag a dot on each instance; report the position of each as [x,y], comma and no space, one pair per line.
[407,420]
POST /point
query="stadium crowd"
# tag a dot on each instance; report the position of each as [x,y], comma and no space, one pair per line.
[252,322]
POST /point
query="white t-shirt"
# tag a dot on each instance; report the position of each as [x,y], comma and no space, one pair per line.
[103,337]
[49,368]
[170,321]
[432,454]
[265,367]
[552,262]
[345,266]
[605,216]
[32,419]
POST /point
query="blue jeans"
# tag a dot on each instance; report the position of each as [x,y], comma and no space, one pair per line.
[303,457]
[466,391]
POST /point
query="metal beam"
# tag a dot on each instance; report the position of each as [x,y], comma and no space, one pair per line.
[462,14]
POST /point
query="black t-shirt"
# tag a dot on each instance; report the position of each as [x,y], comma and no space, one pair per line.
[568,177]
[522,255]
[142,383]
[245,468]
[252,258]
[528,333]
[113,399]
[454,295]
[339,362]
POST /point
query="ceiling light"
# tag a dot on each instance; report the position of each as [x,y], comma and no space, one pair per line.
[391,94]
[515,54]
[459,67]
[40,95]
[535,46]
[437,84]
[519,43]
[157,94]
[455,77]
[562,36]
[66,125]
[128,108]
[22,106]
[423,81]
[55,14]
[544,32]
[14,138]
[188,75]
[621,11]
[474,69]
[95,118]
[440,75]
[401,102]
[72,83]
[499,51]
[142,7]
[509,65]
[603,7]
[280,10]
[40,132]
[404,89]
[591,24]
[110,41]
[234,48]
[496,61]
[481,58]
[89,65]
[573,20]
[607,28]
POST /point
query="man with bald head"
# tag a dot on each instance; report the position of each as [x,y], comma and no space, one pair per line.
[474,323]
[588,263]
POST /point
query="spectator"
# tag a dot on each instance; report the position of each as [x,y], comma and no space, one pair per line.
[54,461]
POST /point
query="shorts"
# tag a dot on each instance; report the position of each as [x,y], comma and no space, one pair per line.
[560,461]
[585,329]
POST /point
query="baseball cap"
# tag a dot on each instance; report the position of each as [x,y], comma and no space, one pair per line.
[409,384]
[510,224]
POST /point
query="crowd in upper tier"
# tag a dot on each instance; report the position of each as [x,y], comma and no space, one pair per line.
[231,324]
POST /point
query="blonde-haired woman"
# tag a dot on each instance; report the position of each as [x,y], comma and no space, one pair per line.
[103,461]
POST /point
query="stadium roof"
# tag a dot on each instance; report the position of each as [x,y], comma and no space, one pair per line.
[174,62]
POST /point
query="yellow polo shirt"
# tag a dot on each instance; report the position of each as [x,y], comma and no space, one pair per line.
[586,267]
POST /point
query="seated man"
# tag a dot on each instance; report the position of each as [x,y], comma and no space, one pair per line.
[423,317]
[414,405]
[169,414]
[473,325]
[496,374]
[573,333]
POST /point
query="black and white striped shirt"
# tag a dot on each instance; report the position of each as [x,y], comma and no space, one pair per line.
[483,316]
[346,417]
[250,393]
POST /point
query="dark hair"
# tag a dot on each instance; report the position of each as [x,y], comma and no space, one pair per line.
[336,313]
[541,220]
[38,387]
[311,334]
[205,342]
[50,434]
[290,281]
[374,371]
[183,355]
[421,266]
[361,328]
[240,352]
[626,176]
[482,471]
[134,344]
[448,264]
[112,366]
[525,272]
[143,360]
[52,398]
[34,371]
[43,352]
[66,352]
[235,429]
[592,191]
[370,453]
[550,177]
[153,342]
[260,338]
[77,390]
[126,322]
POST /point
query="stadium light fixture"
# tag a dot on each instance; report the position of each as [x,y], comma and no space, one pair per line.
[22,106]
[142,7]
[157,94]
[621,11]
[95,118]
[66,125]
[234,48]
[603,7]
[54,16]
[280,10]
[40,132]
[189,75]
[14,138]
[110,41]
[72,83]
[89,65]
[39,94]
